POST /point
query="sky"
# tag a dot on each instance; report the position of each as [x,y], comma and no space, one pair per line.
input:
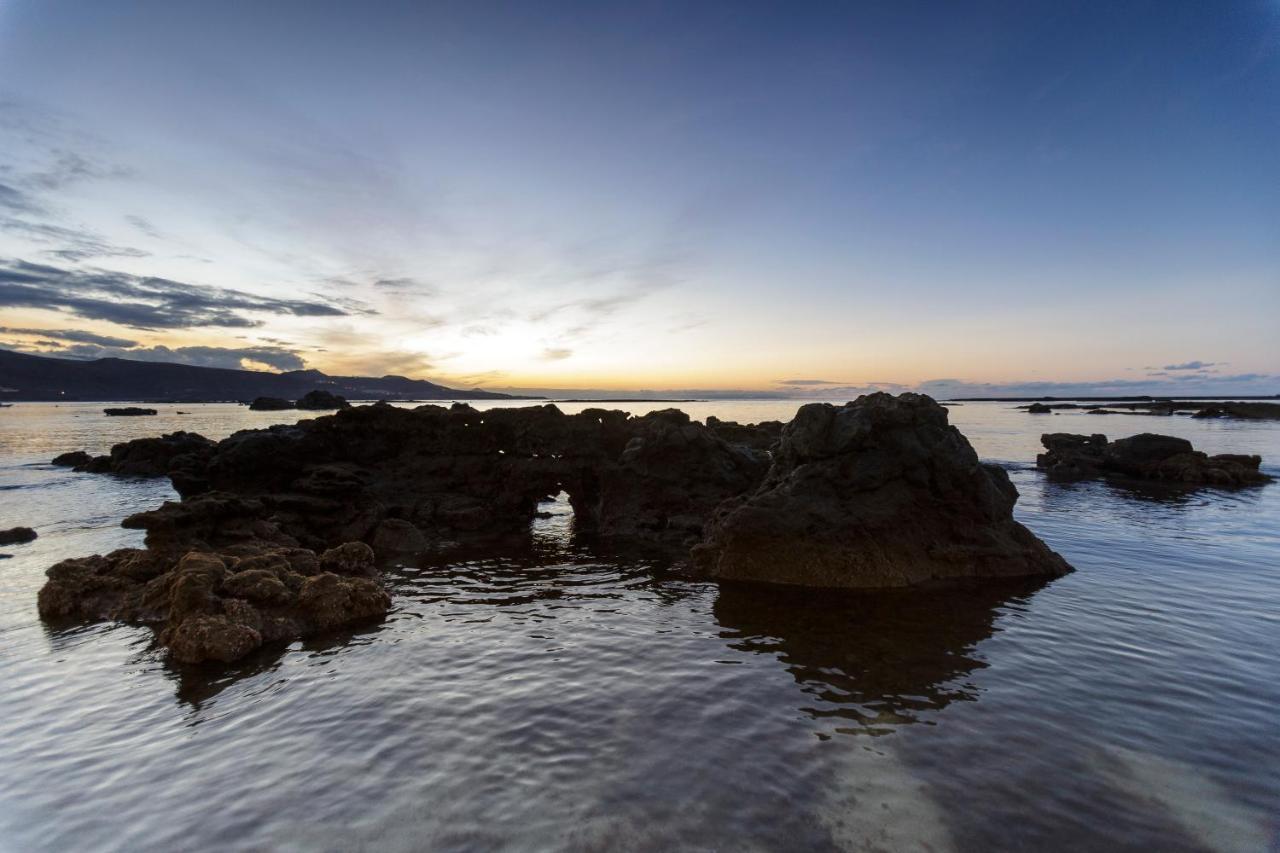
[793,199]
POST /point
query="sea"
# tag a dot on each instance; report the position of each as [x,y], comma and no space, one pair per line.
[557,693]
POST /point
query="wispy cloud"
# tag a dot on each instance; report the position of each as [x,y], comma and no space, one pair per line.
[1190,365]
[78,336]
[275,358]
[143,302]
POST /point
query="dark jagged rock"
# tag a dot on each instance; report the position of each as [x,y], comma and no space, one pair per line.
[1147,457]
[129,412]
[320,400]
[17,536]
[217,605]
[72,459]
[270,404]
[881,492]
[761,436]
[180,456]
[1039,409]
[446,473]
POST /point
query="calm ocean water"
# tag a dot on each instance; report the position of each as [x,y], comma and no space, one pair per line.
[561,696]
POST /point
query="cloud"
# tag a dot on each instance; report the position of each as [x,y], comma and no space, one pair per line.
[17,201]
[76,244]
[74,335]
[277,358]
[144,225]
[143,302]
[1190,365]
[806,382]
[556,353]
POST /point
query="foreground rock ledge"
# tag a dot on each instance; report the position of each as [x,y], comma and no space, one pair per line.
[220,606]
[881,492]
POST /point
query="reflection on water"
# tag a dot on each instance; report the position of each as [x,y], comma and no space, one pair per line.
[551,691]
[869,660]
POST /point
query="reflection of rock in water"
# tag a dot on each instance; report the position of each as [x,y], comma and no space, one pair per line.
[874,659]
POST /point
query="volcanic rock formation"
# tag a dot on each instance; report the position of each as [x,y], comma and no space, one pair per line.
[880,492]
[1148,457]
[220,606]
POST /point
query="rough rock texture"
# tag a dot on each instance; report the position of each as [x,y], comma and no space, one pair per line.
[762,436]
[319,400]
[17,536]
[1148,457]
[401,477]
[220,606]
[178,455]
[129,412]
[881,492]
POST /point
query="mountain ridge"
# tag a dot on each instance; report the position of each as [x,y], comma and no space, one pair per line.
[37,378]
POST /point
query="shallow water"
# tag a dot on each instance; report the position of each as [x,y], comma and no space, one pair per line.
[555,694]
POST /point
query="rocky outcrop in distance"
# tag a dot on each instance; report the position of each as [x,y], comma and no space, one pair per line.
[128,412]
[315,401]
[1244,410]
[880,492]
[1146,457]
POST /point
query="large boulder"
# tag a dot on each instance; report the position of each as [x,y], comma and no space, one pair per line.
[220,606]
[880,492]
[1146,457]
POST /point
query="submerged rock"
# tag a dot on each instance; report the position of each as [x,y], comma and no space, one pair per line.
[129,412]
[881,492]
[1148,457]
[220,606]
[17,536]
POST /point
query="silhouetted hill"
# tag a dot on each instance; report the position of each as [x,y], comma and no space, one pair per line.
[33,377]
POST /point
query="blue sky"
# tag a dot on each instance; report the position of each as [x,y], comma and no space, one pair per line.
[662,196]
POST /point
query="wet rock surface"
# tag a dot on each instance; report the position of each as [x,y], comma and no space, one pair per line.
[178,455]
[17,536]
[220,606]
[881,492]
[1146,457]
